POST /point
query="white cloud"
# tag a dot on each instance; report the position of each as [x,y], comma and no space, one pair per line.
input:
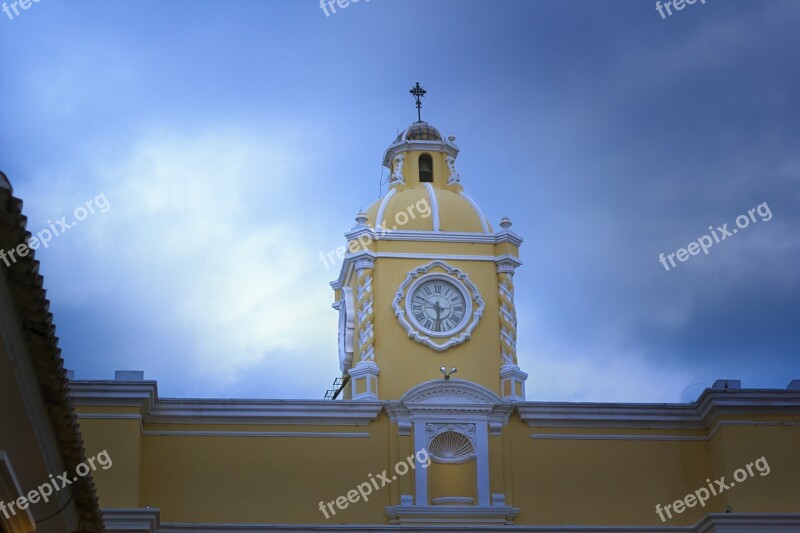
[202,238]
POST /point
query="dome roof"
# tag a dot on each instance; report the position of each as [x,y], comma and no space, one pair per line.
[427,208]
[419,131]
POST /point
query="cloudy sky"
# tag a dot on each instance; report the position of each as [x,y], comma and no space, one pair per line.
[234,141]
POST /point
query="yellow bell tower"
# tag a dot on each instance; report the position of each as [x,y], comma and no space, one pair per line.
[426,288]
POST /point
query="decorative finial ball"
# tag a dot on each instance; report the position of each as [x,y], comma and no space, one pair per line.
[451,138]
[505,223]
[361,218]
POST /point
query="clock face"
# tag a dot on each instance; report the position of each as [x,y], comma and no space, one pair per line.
[438,306]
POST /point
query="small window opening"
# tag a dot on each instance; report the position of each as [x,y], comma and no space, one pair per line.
[425,169]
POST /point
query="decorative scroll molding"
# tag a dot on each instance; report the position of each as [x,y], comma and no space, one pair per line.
[397,173]
[365,299]
[508,313]
[455,177]
[468,430]
[347,315]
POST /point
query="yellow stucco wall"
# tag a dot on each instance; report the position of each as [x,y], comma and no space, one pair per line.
[599,476]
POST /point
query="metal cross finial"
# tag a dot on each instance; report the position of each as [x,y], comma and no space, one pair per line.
[418,92]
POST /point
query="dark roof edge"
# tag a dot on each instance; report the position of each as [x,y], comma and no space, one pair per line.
[32,308]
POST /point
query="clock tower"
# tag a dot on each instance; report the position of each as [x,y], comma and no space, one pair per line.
[427,282]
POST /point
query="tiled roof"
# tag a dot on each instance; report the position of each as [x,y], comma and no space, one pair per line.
[32,309]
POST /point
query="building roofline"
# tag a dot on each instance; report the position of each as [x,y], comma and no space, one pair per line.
[32,309]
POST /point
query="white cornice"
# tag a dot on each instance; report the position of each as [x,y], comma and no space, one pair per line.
[148,521]
[133,520]
[485,515]
[436,236]
[257,434]
[153,409]
[349,261]
[660,437]
[422,146]
[141,395]
[701,415]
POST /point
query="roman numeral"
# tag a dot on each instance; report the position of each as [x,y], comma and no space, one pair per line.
[457,318]
[419,316]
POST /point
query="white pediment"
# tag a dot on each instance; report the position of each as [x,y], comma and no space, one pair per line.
[450,392]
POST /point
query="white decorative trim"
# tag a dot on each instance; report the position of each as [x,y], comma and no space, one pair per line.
[484,515]
[348,266]
[154,410]
[507,264]
[347,314]
[434,206]
[441,393]
[109,416]
[452,257]
[382,208]
[367,371]
[709,436]
[365,298]
[499,417]
[470,237]
[477,209]
[452,404]
[468,303]
[133,520]
[512,375]
[453,500]
[701,415]
[292,434]
[421,146]
[475,299]
[451,443]
[148,521]
[397,173]
[569,436]
[454,177]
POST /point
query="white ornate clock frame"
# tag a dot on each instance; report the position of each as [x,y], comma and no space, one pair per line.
[442,270]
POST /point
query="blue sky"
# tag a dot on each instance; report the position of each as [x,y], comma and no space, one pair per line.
[236,140]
